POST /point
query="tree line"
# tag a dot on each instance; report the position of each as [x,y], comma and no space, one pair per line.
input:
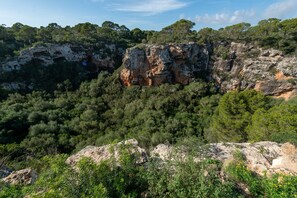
[269,33]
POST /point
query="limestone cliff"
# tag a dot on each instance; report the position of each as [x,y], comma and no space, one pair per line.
[248,66]
[47,54]
[155,65]
[93,60]
[231,66]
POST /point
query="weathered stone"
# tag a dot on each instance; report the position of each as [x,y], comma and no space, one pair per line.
[48,54]
[256,70]
[109,152]
[247,66]
[22,177]
[261,158]
[158,64]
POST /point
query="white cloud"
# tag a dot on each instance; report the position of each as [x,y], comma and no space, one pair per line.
[281,8]
[226,18]
[151,7]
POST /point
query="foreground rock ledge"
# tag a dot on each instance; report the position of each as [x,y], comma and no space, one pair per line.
[261,157]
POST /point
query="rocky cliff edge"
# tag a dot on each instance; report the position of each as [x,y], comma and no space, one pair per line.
[234,66]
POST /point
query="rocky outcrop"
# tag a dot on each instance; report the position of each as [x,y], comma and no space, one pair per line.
[22,177]
[234,66]
[262,157]
[48,54]
[155,65]
[109,152]
[92,60]
[248,66]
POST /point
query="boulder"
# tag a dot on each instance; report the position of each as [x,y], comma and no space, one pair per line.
[22,177]
[110,152]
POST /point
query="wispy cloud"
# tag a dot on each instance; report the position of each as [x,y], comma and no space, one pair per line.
[150,7]
[226,18]
[281,8]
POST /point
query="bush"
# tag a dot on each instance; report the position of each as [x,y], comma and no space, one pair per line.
[277,186]
[233,115]
[277,124]
[187,179]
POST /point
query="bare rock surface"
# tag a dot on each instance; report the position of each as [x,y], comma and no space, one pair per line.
[244,66]
[92,60]
[48,54]
[110,151]
[249,66]
[261,157]
[158,64]
[22,177]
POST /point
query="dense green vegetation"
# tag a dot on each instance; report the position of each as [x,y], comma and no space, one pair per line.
[270,33]
[67,111]
[102,111]
[19,36]
[267,33]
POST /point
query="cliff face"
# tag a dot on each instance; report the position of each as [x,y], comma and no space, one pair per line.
[49,54]
[105,58]
[247,66]
[243,66]
[234,66]
[155,65]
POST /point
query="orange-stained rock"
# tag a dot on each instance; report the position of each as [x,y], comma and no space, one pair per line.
[158,64]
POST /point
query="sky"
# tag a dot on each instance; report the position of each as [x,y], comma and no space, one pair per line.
[144,14]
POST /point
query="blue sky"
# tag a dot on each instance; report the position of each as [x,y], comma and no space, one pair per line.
[145,14]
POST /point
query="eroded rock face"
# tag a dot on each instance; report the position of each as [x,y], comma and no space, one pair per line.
[261,157]
[109,152]
[48,54]
[105,58]
[155,65]
[22,177]
[245,66]
[248,66]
